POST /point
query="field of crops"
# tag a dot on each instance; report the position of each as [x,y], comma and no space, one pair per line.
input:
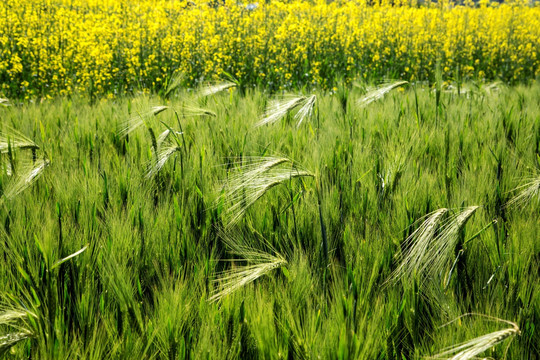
[223,180]
[114,47]
[330,226]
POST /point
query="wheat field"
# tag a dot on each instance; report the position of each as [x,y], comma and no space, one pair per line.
[270,180]
[183,227]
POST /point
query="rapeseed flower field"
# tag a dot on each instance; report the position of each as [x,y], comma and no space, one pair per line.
[112,47]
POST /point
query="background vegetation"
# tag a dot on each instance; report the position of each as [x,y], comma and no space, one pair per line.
[113,47]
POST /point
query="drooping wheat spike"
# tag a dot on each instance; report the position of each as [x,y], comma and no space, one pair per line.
[430,249]
[525,194]
[260,264]
[9,316]
[446,241]
[255,177]
[164,149]
[185,110]
[417,245]
[11,137]
[278,109]
[164,153]
[189,110]
[306,111]
[257,264]
[162,137]
[470,349]
[141,118]
[26,176]
[215,88]
[15,319]
[378,93]
[11,339]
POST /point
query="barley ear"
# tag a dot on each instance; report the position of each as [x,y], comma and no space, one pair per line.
[255,178]
[416,246]
[278,109]
[15,319]
[470,349]
[255,264]
[306,111]
[141,118]
[525,194]
[214,88]
[378,93]
[11,138]
[26,176]
[430,249]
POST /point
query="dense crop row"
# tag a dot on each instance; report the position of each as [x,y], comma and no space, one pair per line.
[233,226]
[50,47]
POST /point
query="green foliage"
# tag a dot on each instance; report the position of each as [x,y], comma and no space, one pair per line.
[119,247]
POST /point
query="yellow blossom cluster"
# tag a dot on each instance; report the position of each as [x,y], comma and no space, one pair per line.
[110,47]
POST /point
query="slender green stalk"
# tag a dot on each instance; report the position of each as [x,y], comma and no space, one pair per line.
[324,248]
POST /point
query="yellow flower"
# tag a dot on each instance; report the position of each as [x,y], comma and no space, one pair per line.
[121,45]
